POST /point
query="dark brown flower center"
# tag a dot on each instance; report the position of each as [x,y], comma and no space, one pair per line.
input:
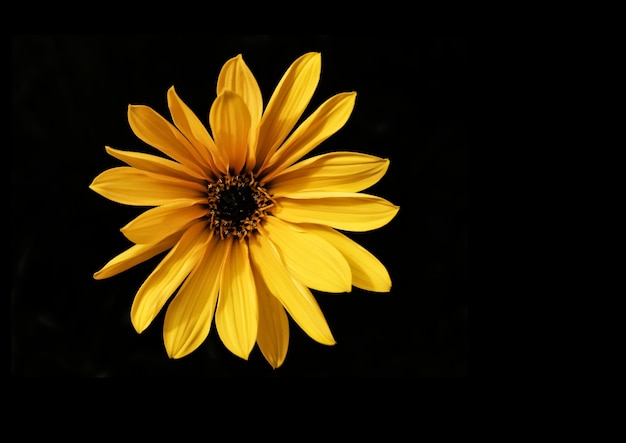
[237,204]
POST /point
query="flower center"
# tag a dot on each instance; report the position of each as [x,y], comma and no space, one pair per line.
[237,204]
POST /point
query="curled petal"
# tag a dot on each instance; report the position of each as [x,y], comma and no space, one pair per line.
[294,296]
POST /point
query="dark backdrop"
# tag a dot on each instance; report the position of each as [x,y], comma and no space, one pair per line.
[69,96]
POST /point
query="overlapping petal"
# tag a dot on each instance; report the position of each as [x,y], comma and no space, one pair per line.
[237,315]
[348,211]
[288,102]
[154,163]
[230,122]
[168,275]
[189,316]
[157,223]
[135,255]
[324,122]
[132,186]
[309,258]
[235,76]
[367,271]
[149,126]
[273,334]
[296,298]
[335,171]
[193,129]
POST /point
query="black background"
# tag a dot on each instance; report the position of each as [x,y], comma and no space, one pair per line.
[69,97]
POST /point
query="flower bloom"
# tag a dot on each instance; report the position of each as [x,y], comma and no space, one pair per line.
[249,227]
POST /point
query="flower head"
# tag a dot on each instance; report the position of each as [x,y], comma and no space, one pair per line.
[249,227]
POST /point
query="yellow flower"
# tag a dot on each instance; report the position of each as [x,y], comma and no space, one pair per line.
[248,228]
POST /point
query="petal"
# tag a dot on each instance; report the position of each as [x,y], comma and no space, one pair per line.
[193,129]
[335,171]
[236,76]
[273,334]
[168,275]
[153,163]
[190,314]
[324,122]
[154,130]
[296,298]
[131,186]
[288,102]
[349,211]
[237,313]
[230,122]
[134,255]
[367,271]
[162,221]
[309,258]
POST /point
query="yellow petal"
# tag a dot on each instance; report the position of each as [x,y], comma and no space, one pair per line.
[296,298]
[236,76]
[335,171]
[324,122]
[153,163]
[288,102]
[193,129]
[168,275]
[134,255]
[230,123]
[190,314]
[237,313]
[153,129]
[309,258]
[157,223]
[131,186]
[367,271]
[273,334]
[342,210]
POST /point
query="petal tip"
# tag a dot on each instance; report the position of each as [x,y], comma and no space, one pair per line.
[275,363]
[174,355]
[315,56]
[134,108]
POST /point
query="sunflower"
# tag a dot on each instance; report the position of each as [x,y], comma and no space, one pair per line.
[250,228]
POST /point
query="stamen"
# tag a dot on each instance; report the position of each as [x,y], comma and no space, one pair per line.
[237,205]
